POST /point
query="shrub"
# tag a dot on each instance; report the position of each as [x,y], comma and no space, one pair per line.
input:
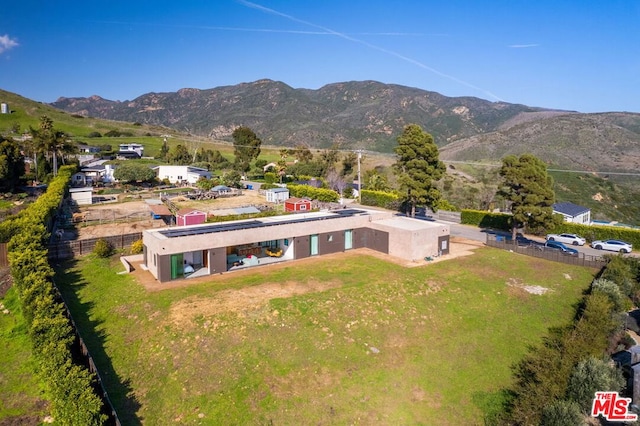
[137,247]
[387,200]
[103,248]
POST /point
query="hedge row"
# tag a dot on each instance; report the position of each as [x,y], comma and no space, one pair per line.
[386,200]
[485,219]
[545,375]
[308,191]
[69,387]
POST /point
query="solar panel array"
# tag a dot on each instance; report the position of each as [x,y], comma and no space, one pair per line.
[235,226]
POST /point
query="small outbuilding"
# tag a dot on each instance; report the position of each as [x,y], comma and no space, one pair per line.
[295,204]
[186,217]
[276,195]
[81,196]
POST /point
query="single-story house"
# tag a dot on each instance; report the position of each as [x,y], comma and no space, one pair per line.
[79,179]
[276,195]
[81,196]
[573,213]
[182,174]
[295,204]
[185,217]
[200,250]
[221,189]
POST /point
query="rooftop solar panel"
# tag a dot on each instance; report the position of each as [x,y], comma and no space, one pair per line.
[234,226]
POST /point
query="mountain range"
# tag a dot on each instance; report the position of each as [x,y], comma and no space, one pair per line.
[370,115]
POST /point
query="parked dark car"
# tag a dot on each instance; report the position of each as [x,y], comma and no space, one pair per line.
[558,246]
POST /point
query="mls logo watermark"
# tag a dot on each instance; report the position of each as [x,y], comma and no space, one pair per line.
[612,407]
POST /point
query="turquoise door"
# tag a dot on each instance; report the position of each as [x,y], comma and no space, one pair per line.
[314,245]
[348,239]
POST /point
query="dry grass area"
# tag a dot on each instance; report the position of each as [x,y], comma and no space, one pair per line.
[108,213]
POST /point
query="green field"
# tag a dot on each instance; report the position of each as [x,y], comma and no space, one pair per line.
[20,390]
[372,343]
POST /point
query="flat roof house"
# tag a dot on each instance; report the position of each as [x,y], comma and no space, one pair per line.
[573,212]
[182,174]
[200,250]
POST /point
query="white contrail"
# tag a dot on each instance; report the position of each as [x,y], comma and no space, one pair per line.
[369,45]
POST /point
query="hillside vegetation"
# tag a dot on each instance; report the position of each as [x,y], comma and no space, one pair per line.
[565,140]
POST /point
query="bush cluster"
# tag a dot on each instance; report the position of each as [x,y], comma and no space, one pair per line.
[69,386]
[485,219]
[386,200]
[103,248]
[313,193]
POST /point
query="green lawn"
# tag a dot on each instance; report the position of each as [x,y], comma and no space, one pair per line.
[20,391]
[376,343]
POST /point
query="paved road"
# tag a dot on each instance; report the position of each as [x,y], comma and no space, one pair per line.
[478,234]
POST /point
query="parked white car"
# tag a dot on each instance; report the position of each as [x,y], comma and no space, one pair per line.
[573,239]
[612,245]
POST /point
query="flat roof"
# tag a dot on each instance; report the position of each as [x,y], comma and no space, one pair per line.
[258,223]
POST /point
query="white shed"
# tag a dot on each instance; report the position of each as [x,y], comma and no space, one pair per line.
[82,196]
[276,195]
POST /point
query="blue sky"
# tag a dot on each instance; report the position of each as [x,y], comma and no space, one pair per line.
[575,55]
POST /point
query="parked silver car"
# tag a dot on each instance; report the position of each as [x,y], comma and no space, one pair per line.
[612,245]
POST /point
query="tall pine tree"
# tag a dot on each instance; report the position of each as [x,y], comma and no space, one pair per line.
[418,167]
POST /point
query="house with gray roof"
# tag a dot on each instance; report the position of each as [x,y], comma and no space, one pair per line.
[573,213]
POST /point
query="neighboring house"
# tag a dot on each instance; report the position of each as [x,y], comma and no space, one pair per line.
[573,213]
[92,175]
[81,196]
[128,155]
[270,165]
[79,180]
[88,149]
[276,195]
[222,189]
[294,204]
[132,147]
[311,182]
[185,217]
[182,174]
[175,253]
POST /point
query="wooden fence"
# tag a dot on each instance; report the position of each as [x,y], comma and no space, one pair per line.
[68,249]
[554,255]
[4,260]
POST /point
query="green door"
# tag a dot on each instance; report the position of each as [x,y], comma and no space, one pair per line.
[177,266]
[314,245]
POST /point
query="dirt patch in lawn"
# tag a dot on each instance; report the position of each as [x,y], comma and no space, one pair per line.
[242,300]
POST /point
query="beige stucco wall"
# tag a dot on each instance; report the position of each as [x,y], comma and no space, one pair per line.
[412,239]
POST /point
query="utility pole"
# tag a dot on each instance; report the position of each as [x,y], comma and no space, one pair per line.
[359,178]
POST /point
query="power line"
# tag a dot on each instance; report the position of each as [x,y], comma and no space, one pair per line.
[590,172]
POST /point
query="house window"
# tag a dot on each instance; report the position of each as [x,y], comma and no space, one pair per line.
[155,259]
[179,177]
[329,238]
[303,207]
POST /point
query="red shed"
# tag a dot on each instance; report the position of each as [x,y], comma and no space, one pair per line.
[190,217]
[297,205]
